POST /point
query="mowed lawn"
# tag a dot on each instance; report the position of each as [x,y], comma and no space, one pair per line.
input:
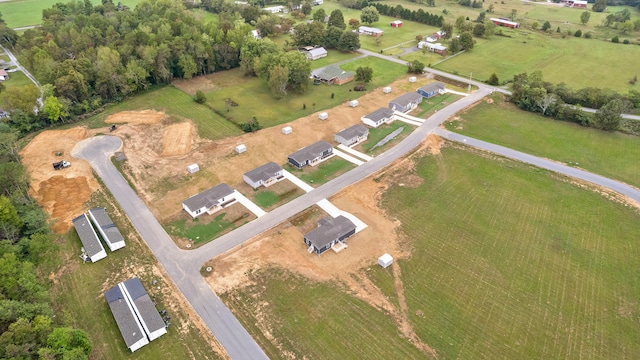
[555,57]
[509,262]
[177,105]
[611,154]
[18,13]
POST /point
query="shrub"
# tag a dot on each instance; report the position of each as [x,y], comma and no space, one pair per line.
[615,39]
[578,33]
[360,88]
[493,80]
[200,98]
[626,41]
[588,35]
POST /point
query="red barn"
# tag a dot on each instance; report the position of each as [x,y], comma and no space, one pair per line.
[396,24]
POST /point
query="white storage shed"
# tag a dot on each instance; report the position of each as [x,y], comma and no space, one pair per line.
[385,260]
[386,89]
[353,103]
[412,79]
[287,130]
[193,168]
[241,148]
[323,116]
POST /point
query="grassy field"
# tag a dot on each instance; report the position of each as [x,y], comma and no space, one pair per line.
[509,262]
[323,172]
[379,133]
[529,51]
[333,56]
[613,155]
[17,79]
[275,195]
[79,289]
[429,106]
[251,94]
[17,13]
[177,105]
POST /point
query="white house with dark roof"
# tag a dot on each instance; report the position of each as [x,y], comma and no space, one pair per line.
[352,135]
[90,241]
[311,154]
[126,319]
[209,201]
[144,308]
[378,117]
[406,102]
[432,89]
[371,31]
[109,231]
[264,175]
[330,231]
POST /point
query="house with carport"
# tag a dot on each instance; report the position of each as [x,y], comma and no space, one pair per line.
[378,117]
[352,135]
[209,201]
[406,102]
[311,155]
[330,232]
[264,175]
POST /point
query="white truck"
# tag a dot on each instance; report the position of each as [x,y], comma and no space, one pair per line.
[61,165]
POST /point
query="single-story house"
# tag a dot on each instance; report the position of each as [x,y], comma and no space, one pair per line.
[371,31]
[332,74]
[311,154]
[433,47]
[396,24]
[505,22]
[315,53]
[431,90]
[126,319]
[274,9]
[406,102]
[109,231]
[209,201]
[3,75]
[90,242]
[318,2]
[329,232]
[438,34]
[264,175]
[379,117]
[144,308]
[352,135]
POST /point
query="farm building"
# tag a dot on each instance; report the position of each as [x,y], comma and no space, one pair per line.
[311,154]
[109,231]
[378,117]
[3,75]
[395,24]
[431,90]
[330,232]
[332,74]
[144,308]
[433,47]
[352,135]
[371,31]
[209,201]
[505,23]
[129,325]
[90,242]
[406,102]
[314,53]
[264,175]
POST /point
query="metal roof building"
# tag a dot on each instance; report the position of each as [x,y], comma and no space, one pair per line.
[126,319]
[109,231]
[144,308]
[90,242]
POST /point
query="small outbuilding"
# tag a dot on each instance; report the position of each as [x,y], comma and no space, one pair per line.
[396,24]
[386,89]
[323,116]
[193,168]
[241,148]
[287,130]
[385,260]
[353,103]
[412,79]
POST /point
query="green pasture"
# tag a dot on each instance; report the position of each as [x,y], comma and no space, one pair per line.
[266,199]
[513,262]
[18,13]
[379,133]
[179,106]
[17,79]
[254,97]
[610,154]
[79,288]
[557,59]
[205,16]
[325,171]
[275,195]
[429,106]
[201,233]
[314,320]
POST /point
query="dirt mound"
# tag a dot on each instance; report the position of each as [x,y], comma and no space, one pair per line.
[136,117]
[434,143]
[177,138]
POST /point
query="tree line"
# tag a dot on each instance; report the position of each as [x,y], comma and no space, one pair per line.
[29,327]
[420,16]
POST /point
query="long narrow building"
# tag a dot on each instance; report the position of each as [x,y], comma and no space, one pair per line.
[109,231]
[126,319]
[144,308]
[90,241]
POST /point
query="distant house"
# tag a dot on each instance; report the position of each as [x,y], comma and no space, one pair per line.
[126,319]
[311,154]
[144,308]
[209,201]
[332,74]
[314,53]
[90,242]
[406,102]
[274,9]
[433,47]
[378,117]
[265,175]
[318,2]
[255,34]
[575,3]
[431,90]
[3,75]
[329,232]
[505,23]
[371,31]
[352,135]
[438,35]
[396,24]
[109,231]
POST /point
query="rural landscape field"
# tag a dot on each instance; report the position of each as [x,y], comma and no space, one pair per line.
[493,257]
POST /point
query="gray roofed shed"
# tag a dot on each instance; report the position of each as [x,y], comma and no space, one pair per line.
[209,197]
[107,228]
[144,307]
[127,322]
[90,242]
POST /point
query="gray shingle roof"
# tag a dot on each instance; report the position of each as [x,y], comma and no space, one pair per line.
[406,99]
[433,86]
[317,51]
[208,198]
[329,229]
[147,309]
[331,72]
[106,224]
[380,114]
[263,172]
[353,131]
[310,152]
[127,322]
[88,236]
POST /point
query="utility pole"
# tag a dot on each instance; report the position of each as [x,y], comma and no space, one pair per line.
[469,88]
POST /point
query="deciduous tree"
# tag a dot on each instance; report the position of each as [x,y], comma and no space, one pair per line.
[337,19]
[369,15]
[584,17]
[364,74]
[608,117]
